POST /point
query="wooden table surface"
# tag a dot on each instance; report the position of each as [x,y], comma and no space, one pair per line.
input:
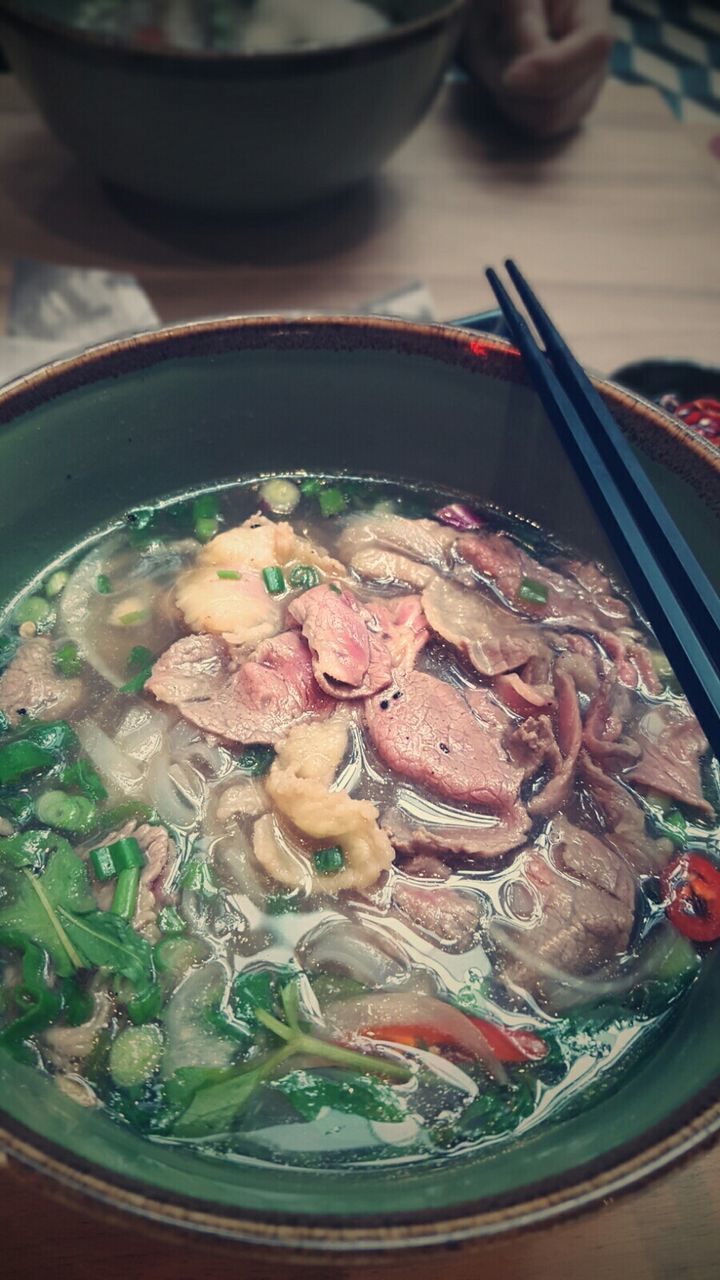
[618,229]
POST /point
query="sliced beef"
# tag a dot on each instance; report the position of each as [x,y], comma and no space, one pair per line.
[493,639]
[672,743]
[425,730]
[605,733]
[31,688]
[489,837]
[584,598]
[403,626]
[448,917]
[194,669]
[378,565]
[581,660]
[657,746]
[540,741]
[568,735]
[350,657]
[580,901]
[257,702]
[624,818]
[425,541]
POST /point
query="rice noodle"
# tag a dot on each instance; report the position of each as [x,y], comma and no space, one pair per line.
[75,606]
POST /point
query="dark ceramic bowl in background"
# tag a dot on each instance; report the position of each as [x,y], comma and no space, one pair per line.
[85,440]
[224,133]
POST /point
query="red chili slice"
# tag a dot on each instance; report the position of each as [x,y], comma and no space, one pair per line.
[691,886]
[508,1046]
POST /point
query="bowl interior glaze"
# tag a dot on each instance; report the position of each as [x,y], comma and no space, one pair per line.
[88,439]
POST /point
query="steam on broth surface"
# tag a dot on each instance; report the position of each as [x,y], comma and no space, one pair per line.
[342,822]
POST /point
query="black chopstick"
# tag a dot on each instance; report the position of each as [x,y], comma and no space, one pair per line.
[689,579]
[685,628]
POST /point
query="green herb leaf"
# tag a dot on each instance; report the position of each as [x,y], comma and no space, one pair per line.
[109,942]
[37,905]
[312,1092]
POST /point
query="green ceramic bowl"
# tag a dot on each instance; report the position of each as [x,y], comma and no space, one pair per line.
[235,132]
[86,439]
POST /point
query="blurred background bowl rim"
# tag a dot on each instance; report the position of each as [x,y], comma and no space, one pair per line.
[685,1129]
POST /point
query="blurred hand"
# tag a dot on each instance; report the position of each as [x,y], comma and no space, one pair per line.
[543,61]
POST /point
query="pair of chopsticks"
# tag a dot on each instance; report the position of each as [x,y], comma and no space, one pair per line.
[680,602]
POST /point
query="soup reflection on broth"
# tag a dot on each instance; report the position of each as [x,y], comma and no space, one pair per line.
[342,822]
[232,26]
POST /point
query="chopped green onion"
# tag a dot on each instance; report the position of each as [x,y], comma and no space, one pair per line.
[67,660]
[274,580]
[103,863]
[141,660]
[256,760]
[4,723]
[135,1056]
[231,575]
[329,861]
[112,859]
[331,501]
[139,657]
[205,516]
[37,610]
[133,618]
[64,812]
[18,759]
[334,587]
[171,922]
[103,585]
[138,682]
[56,583]
[126,893]
[533,592]
[310,487]
[304,576]
[675,827]
[175,955]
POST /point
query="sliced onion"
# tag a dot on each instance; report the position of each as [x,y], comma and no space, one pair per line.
[119,772]
[460,516]
[354,950]
[358,1016]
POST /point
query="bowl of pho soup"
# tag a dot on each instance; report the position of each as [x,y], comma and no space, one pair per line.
[359,862]
[228,106]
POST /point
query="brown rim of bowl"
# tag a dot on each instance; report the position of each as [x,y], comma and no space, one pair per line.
[92,44]
[683,1131]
